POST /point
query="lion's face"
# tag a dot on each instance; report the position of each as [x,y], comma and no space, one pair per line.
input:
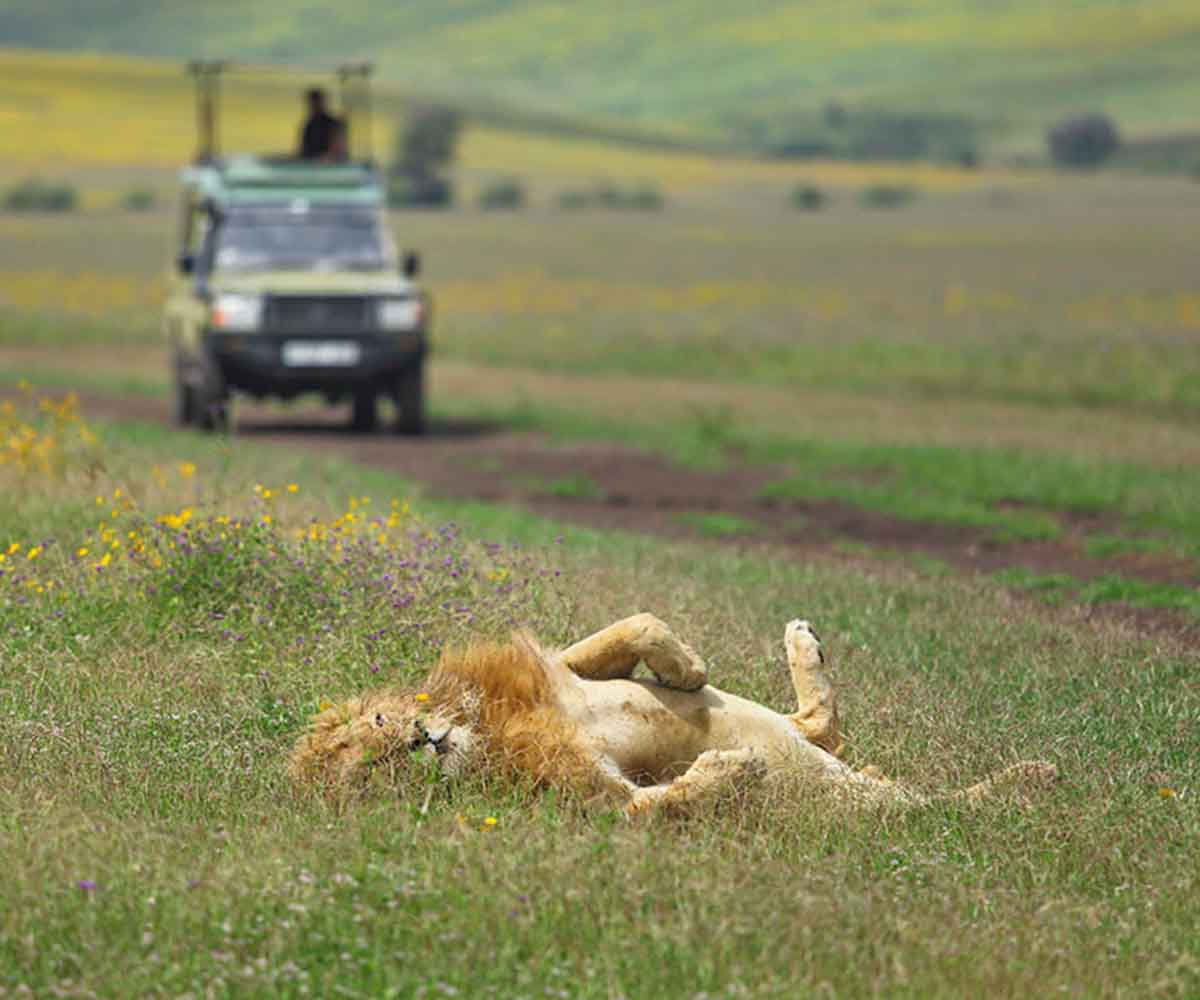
[392,731]
[408,728]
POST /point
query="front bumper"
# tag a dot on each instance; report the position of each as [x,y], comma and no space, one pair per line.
[264,364]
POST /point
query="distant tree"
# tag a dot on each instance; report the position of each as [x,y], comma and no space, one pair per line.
[426,144]
[1083,140]
[835,113]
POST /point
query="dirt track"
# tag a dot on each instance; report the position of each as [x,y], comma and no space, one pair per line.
[611,485]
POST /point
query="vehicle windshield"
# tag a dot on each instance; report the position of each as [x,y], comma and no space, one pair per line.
[312,240]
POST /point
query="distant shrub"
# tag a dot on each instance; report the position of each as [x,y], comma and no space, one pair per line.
[573,199]
[36,195]
[426,191]
[139,199]
[1083,140]
[857,134]
[887,195]
[502,194]
[808,197]
[643,197]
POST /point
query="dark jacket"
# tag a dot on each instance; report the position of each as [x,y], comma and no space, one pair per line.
[317,135]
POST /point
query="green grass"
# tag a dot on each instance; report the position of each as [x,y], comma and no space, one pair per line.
[1057,588]
[145,816]
[718,524]
[1010,494]
[575,487]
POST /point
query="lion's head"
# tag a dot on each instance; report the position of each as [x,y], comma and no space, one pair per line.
[348,741]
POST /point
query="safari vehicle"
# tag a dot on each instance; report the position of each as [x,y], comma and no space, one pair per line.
[285,281]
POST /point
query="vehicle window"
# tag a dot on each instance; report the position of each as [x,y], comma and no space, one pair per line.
[256,241]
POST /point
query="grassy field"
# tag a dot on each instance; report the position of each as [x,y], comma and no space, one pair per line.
[1013,355]
[1013,66]
[173,608]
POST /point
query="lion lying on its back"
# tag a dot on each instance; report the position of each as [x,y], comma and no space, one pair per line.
[578,720]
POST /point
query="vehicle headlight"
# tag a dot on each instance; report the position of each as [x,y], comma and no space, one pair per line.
[237,312]
[401,314]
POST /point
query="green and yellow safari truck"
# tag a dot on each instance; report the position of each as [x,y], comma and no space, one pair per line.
[285,281]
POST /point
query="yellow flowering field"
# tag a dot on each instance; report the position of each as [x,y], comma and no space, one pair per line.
[70,112]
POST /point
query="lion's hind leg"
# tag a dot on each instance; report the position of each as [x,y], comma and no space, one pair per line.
[816,715]
[613,652]
[714,772]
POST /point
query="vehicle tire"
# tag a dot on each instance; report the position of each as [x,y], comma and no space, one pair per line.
[210,404]
[183,403]
[409,395]
[364,417]
[212,412]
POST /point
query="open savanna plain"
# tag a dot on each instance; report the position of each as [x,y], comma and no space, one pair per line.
[959,435]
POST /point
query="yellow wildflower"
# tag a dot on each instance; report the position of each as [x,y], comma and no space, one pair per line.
[187,469]
[490,822]
[81,552]
[14,548]
[324,705]
[105,559]
[1167,793]
[422,696]
[34,552]
[293,488]
[266,519]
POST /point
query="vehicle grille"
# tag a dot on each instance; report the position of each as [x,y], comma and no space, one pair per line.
[318,314]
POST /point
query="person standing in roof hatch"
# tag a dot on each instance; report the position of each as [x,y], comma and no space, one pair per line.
[321,130]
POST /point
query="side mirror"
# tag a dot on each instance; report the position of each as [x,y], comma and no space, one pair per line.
[411,265]
[186,263]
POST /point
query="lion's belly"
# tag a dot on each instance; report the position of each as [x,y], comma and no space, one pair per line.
[654,733]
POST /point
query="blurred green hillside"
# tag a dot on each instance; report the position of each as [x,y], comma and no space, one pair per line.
[764,70]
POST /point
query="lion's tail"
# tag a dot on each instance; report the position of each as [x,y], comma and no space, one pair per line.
[1027,775]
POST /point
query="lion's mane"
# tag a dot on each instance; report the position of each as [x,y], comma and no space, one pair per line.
[504,693]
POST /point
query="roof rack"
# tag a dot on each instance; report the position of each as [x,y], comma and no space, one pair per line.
[354,100]
[246,180]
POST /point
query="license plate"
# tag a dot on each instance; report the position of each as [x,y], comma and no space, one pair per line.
[320,353]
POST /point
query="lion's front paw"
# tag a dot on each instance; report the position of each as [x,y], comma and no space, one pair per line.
[693,672]
[682,669]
